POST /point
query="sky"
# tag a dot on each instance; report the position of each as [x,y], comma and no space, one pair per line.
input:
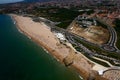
[9,1]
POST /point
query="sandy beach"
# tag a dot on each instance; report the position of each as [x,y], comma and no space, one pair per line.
[41,33]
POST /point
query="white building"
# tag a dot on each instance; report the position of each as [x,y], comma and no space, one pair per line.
[60,36]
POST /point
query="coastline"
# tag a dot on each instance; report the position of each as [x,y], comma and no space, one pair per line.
[50,43]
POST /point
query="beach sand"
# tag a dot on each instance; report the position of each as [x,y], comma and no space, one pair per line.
[41,33]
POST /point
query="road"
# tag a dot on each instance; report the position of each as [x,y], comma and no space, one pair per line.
[71,38]
[111,45]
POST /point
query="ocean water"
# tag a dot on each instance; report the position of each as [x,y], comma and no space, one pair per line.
[23,59]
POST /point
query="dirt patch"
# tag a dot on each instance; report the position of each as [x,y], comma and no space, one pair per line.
[94,34]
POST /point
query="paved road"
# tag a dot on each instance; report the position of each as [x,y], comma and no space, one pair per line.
[101,72]
[70,37]
[111,45]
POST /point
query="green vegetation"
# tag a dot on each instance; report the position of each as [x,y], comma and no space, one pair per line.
[98,50]
[64,25]
[101,24]
[88,12]
[94,60]
[99,62]
[117,28]
[110,61]
[63,15]
[93,48]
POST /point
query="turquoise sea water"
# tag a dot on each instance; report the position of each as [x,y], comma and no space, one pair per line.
[22,59]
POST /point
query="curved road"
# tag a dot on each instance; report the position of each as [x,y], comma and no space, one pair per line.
[111,45]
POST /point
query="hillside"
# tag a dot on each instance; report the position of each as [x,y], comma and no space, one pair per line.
[36,0]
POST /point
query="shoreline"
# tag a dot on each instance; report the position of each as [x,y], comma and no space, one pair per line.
[55,53]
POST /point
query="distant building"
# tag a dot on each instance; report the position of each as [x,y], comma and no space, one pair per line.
[84,21]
